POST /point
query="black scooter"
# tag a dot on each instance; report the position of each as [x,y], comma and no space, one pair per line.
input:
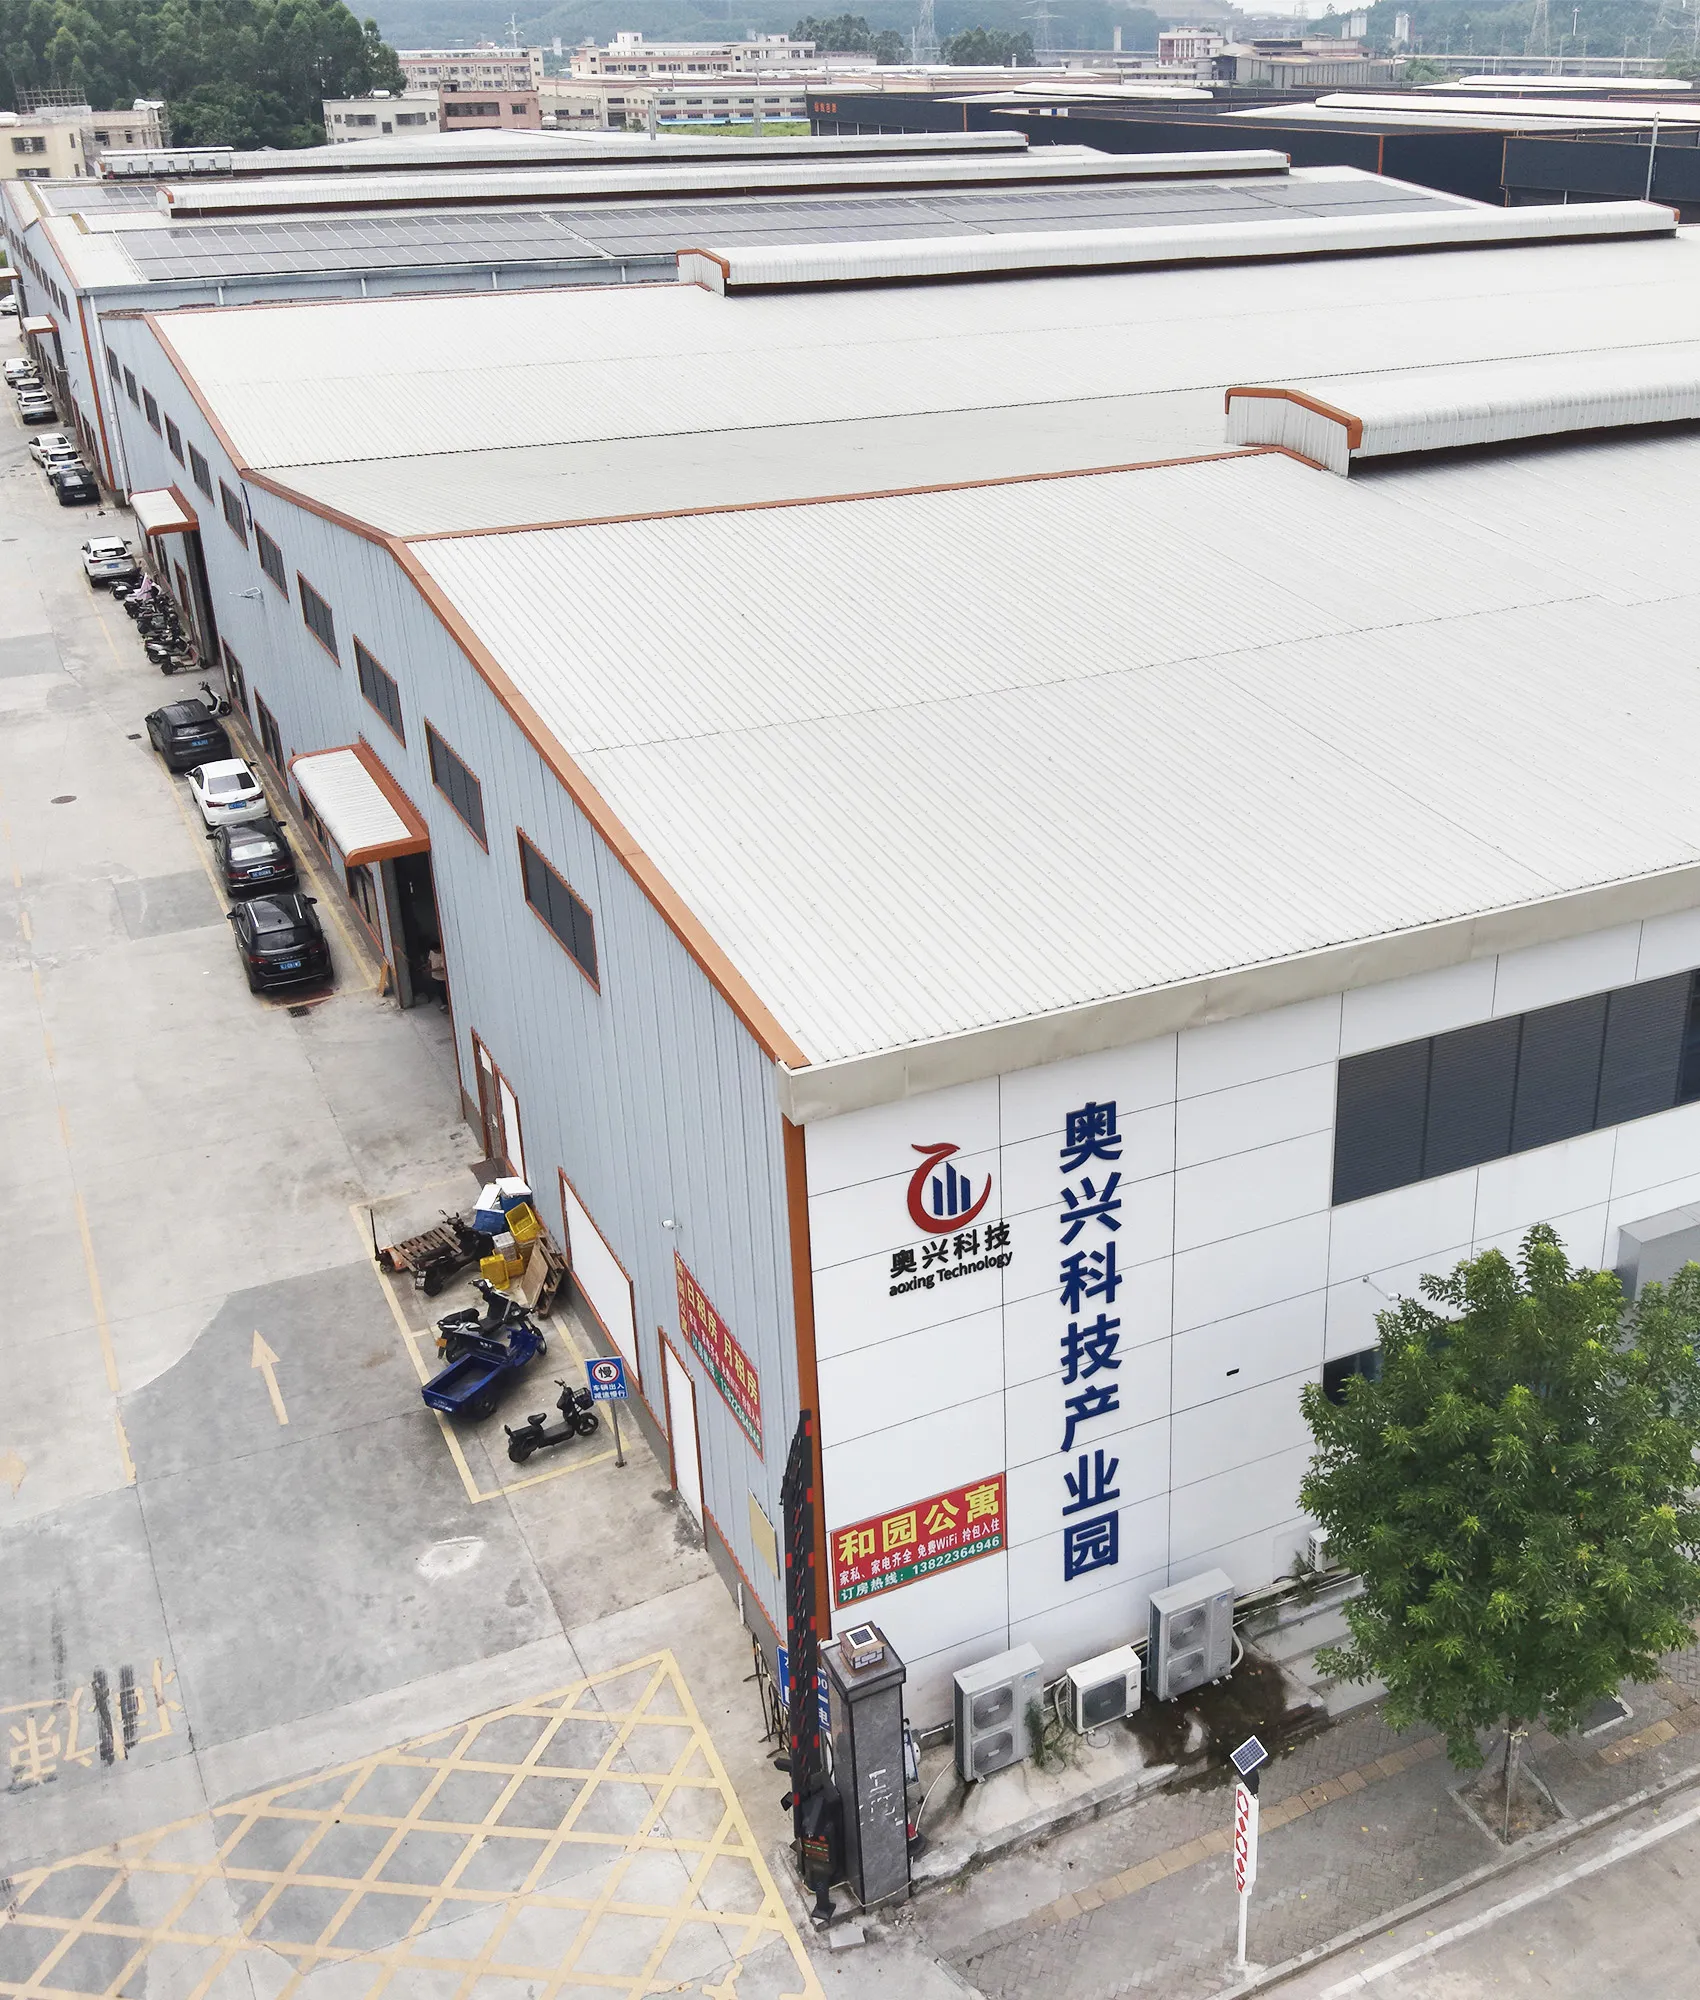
[578,1419]
[471,1331]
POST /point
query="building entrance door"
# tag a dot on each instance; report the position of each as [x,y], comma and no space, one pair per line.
[498,1111]
[682,1431]
[418,935]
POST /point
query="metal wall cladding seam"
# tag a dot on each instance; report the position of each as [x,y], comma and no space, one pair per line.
[650,1094]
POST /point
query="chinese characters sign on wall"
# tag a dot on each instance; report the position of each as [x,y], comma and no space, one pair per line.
[910,1542]
[730,1368]
[1087,1221]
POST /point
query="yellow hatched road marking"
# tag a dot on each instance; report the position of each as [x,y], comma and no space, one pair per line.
[651,1787]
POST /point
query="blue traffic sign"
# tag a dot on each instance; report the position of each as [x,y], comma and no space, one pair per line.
[607,1379]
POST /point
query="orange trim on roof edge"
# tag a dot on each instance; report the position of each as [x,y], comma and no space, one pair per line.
[838,499]
[1354,425]
[731,984]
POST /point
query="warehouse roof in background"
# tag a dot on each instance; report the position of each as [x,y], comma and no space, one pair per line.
[1402,716]
[125,246]
[661,397]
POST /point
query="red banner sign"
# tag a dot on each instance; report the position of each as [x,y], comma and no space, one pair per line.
[912,1542]
[730,1368]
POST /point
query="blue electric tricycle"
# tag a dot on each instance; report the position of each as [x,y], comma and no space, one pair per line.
[474,1385]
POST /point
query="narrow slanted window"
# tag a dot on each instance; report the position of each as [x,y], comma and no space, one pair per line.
[564,911]
[456,783]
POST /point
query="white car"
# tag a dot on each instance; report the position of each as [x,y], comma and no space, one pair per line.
[45,441]
[226,792]
[108,560]
[59,458]
[17,371]
[8,307]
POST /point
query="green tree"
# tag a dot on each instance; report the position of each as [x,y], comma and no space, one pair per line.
[248,72]
[975,46]
[849,34]
[1514,1489]
[1420,70]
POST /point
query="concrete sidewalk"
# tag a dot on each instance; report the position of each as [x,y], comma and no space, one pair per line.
[1357,1822]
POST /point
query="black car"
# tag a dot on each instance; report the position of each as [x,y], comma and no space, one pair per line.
[280,941]
[253,856]
[186,733]
[76,488]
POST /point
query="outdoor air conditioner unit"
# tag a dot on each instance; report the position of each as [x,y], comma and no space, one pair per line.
[1103,1689]
[992,1701]
[1316,1549]
[1192,1634]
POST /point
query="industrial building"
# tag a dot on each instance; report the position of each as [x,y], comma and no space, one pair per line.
[587,213]
[992,898]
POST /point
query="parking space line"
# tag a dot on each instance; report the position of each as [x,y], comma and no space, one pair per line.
[361,1214]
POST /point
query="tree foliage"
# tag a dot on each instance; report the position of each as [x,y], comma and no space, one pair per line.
[249,72]
[849,34]
[988,45]
[1515,1491]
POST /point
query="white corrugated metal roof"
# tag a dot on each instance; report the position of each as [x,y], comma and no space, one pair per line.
[162,511]
[1338,419]
[644,177]
[760,267]
[639,399]
[345,795]
[1574,110]
[972,757]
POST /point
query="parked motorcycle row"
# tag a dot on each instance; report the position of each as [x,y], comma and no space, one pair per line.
[157,619]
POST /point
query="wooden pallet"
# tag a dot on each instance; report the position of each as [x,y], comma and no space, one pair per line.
[413,1252]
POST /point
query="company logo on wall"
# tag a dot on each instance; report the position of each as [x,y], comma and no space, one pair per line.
[942,1201]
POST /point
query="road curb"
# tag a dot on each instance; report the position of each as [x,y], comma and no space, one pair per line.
[1552,1842]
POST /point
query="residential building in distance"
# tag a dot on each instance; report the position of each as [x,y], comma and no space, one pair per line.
[487,66]
[630,55]
[64,142]
[614,104]
[413,115]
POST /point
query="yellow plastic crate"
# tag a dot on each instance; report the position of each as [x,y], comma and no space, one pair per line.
[493,1270]
[522,1223]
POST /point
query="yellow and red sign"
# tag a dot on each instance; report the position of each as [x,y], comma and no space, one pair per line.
[730,1368]
[912,1542]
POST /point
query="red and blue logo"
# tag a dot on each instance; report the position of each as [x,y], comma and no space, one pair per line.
[940,1198]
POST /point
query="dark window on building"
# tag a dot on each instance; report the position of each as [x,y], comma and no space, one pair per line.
[112,367]
[200,472]
[234,518]
[150,408]
[174,440]
[270,741]
[1425,1108]
[1336,1374]
[271,558]
[316,616]
[130,388]
[363,894]
[564,912]
[456,783]
[379,689]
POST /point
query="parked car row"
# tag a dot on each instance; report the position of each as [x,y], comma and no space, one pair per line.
[56,452]
[276,928]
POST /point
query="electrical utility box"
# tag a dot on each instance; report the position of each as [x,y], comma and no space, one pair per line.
[992,1700]
[865,1680]
[1192,1634]
[1103,1689]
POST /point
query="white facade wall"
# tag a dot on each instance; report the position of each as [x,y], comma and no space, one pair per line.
[1238,1280]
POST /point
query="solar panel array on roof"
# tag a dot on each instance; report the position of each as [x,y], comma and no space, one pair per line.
[281,246]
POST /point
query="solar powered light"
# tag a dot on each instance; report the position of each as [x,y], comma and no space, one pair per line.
[1248,1758]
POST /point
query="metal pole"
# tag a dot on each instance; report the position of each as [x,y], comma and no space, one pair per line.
[1239,1956]
[619,1448]
[1652,149]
